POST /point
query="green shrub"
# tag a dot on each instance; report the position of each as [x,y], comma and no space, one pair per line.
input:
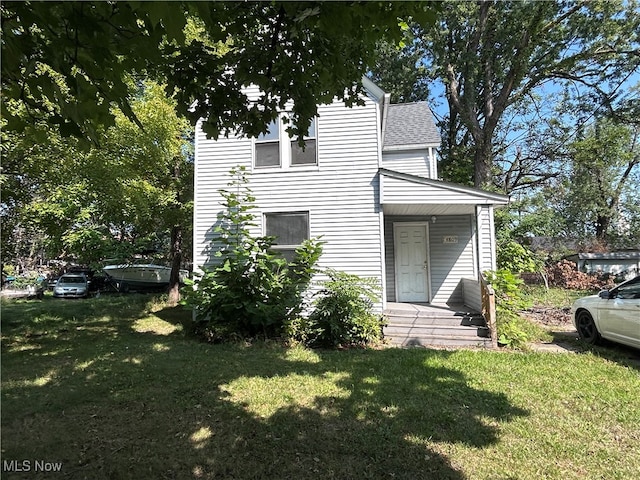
[342,315]
[251,290]
[511,299]
[514,257]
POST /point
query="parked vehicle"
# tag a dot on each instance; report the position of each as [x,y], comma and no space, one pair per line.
[140,275]
[612,314]
[71,285]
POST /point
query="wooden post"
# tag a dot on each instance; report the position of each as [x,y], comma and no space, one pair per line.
[489,309]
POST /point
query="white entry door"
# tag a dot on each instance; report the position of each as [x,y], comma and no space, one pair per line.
[412,265]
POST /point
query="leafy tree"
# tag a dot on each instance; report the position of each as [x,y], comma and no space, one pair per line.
[69,64]
[103,201]
[602,189]
[399,71]
[206,51]
[516,258]
[593,44]
[500,62]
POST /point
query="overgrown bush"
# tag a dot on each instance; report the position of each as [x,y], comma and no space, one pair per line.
[510,301]
[343,314]
[251,290]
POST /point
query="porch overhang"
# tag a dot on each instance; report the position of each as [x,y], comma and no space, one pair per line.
[425,209]
[405,194]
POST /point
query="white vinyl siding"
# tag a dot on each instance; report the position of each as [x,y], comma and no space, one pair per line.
[486,245]
[340,193]
[400,191]
[419,162]
[471,294]
[352,204]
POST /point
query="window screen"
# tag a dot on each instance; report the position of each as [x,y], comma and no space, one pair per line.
[268,147]
[290,229]
[308,154]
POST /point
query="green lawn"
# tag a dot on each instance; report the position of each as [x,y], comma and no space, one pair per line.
[113,389]
[554,297]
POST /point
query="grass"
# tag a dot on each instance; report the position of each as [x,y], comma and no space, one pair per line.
[554,297]
[112,388]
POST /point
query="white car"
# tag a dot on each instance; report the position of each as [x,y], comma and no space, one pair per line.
[612,314]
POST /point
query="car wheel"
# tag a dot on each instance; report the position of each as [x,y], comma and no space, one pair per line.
[586,327]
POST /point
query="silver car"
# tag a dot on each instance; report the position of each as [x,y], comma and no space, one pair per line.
[612,314]
[71,285]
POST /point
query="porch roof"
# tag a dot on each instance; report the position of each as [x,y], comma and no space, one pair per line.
[405,194]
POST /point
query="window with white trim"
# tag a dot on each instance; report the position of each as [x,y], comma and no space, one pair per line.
[290,229]
[267,147]
[306,155]
[278,149]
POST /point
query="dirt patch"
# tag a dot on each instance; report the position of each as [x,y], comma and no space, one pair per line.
[559,323]
[551,318]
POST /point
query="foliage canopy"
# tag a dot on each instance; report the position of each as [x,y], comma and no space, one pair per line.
[87,204]
[300,52]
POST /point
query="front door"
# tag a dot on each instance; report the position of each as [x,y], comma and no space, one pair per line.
[411,259]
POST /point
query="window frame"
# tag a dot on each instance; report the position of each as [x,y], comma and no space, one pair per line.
[314,137]
[284,248]
[262,140]
[285,148]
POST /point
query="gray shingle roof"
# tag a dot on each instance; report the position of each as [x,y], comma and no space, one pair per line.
[410,124]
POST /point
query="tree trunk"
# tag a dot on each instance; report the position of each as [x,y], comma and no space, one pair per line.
[482,161]
[603,223]
[176,262]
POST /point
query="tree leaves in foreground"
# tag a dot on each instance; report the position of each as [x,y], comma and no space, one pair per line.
[304,52]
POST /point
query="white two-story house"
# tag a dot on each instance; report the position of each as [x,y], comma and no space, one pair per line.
[367,182]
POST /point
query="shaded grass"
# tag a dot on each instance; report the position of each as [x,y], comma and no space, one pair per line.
[112,388]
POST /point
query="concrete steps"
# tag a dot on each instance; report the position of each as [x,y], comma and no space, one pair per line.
[415,326]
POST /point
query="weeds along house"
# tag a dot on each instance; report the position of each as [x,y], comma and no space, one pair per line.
[367,183]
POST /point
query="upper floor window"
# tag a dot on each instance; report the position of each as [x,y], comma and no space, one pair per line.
[308,154]
[277,148]
[268,147]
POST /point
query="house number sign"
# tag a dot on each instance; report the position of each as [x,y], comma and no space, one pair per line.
[450,239]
